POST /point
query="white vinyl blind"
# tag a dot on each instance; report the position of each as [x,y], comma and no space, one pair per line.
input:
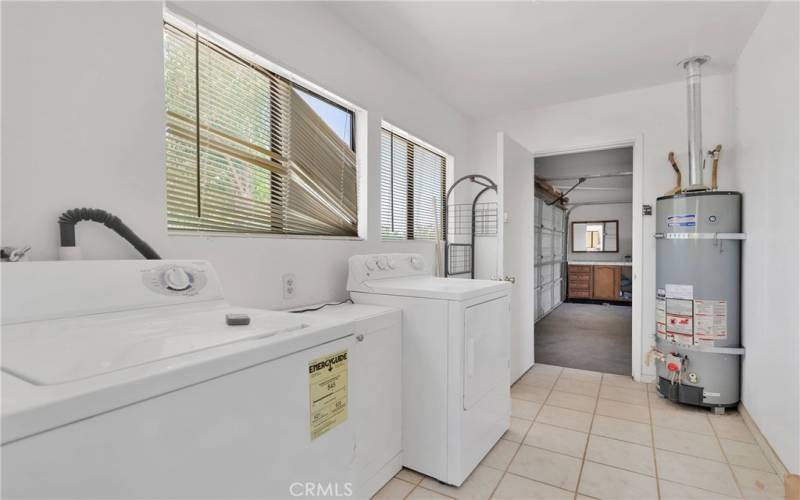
[245,153]
[412,189]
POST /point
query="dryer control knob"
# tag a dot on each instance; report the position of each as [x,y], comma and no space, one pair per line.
[382,263]
[369,264]
[176,278]
[417,263]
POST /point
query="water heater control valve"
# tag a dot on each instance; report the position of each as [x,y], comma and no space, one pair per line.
[674,362]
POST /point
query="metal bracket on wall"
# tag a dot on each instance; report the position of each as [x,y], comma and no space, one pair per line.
[700,236]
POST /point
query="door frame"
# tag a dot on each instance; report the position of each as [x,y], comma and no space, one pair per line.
[500,138]
[637,231]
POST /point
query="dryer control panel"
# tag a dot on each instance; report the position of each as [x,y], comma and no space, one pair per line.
[175,279]
[385,265]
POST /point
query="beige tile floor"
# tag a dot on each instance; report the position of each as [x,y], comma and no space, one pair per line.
[577,434]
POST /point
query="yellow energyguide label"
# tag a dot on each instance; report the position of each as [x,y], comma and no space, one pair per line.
[327,390]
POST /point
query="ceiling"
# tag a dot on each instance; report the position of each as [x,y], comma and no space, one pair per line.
[605,161]
[488,58]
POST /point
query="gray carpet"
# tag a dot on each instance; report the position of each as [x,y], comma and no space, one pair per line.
[586,336]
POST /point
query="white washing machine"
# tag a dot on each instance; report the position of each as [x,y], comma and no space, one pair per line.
[122,379]
[456,400]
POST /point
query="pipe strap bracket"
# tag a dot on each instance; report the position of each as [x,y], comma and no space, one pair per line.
[700,236]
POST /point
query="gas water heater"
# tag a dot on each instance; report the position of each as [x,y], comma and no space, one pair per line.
[698,259]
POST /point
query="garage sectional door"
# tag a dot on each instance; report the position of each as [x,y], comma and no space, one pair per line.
[549,261]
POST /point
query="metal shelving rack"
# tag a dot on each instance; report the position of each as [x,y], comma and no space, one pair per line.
[464,221]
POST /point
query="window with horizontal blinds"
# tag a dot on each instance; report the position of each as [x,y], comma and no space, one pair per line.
[245,152]
[412,189]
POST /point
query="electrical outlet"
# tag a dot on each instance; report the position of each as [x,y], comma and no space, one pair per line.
[288,286]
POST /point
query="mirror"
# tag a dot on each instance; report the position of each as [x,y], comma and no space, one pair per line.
[595,236]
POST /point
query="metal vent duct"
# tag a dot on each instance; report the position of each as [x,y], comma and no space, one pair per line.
[694,110]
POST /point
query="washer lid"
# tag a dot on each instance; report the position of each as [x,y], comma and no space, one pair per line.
[434,288]
[59,351]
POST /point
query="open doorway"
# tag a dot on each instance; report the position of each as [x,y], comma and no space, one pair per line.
[584,260]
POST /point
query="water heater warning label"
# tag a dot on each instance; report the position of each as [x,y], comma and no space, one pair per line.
[661,317]
[327,389]
[710,321]
[679,323]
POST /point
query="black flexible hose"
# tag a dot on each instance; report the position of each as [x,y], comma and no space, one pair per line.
[68,219]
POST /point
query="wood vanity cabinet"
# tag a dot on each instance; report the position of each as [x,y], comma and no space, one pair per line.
[594,281]
[580,282]
[605,282]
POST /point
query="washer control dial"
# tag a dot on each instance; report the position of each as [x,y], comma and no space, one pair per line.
[417,263]
[174,279]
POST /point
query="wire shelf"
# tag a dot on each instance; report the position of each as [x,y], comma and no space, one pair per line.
[486,218]
[459,219]
[459,258]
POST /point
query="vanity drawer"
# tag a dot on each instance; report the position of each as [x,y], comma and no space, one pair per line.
[578,270]
[579,278]
[580,294]
[580,284]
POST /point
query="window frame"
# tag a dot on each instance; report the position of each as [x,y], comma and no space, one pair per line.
[446,183]
[603,235]
[358,124]
[335,104]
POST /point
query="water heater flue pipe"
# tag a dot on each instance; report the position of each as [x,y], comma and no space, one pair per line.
[694,108]
[67,222]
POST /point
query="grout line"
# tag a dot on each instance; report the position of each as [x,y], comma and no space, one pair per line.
[432,491]
[617,467]
[413,486]
[653,440]
[594,414]
[536,481]
[762,442]
[727,462]
[561,426]
[718,440]
[522,442]
[701,489]
[554,451]
[588,437]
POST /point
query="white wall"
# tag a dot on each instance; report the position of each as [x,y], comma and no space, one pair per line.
[83,116]
[767,171]
[656,114]
[620,212]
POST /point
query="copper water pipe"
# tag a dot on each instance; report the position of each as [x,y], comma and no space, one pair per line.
[714,153]
[678,183]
